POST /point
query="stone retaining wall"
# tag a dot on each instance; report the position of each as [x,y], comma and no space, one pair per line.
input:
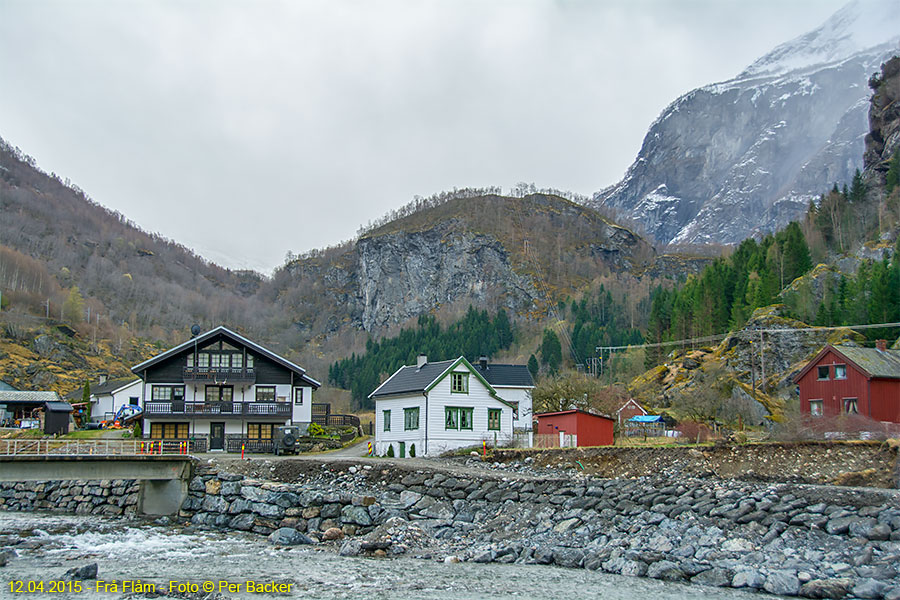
[858,463]
[95,497]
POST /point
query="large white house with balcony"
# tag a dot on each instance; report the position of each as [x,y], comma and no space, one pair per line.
[221,391]
[429,408]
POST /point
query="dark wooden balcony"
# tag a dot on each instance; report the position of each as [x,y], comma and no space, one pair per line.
[219,374]
[217,410]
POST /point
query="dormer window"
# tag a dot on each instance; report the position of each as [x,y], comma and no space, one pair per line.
[459,383]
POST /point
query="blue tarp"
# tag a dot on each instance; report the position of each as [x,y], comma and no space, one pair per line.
[646,419]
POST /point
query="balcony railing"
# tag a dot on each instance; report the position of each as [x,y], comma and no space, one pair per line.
[217,409]
[220,374]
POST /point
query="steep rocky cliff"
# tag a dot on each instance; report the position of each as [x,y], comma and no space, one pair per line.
[729,160]
[516,253]
[883,140]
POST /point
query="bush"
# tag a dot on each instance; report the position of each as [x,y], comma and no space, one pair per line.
[315,430]
[412,450]
[390,451]
[138,431]
[693,432]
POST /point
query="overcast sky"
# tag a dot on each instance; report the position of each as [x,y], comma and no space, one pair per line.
[247,129]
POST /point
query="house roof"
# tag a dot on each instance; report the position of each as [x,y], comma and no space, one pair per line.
[234,337]
[32,398]
[411,379]
[6,387]
[634,402]
[572,411]
[506,375]
[112,385]
[58,407]
[883,364]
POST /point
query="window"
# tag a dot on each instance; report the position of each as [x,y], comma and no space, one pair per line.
[840,371]
[134,400]
[459,383]
[249,362]
[190,360]
[387,420]
[260,431]
[215,361]
[823,372]
[168,393]
[169,431]
[203,360]
[298,395]
[815,408]
[850,406]
[219,393]
[410,418]
[494,419]
[237,361]
[265,393]
[458,418]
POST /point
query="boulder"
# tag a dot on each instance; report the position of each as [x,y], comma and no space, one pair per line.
[287,536]
[82,573]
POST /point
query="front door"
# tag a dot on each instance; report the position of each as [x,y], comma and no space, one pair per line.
[217,436]
[402,449]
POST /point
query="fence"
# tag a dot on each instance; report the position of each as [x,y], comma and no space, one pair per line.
[552,440]
[252,446]
[134,447]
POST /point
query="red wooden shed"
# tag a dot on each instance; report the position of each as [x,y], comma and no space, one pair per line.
[587,428]
[851,380]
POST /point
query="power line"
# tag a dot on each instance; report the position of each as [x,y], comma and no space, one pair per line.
[722,336]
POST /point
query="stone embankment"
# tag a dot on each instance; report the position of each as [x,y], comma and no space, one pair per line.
[857,463]
[781,538]
[106,497]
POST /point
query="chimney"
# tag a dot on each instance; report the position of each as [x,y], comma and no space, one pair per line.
[421,361]
[482,361]
[881,345]
[103,378]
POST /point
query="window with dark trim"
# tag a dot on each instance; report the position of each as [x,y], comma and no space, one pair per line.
[410,418]
[298,395]
[458,418]
[850,407]
[169,431]
[265,393]
[823,372]
[840,371]
[459,383]
[494,419]
[260,431]
[167,393]
[219,393]
[815,408]
[387,420]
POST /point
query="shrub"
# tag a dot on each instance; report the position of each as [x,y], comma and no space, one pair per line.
[315,430]
[390,451]
[412,450]
[138,431]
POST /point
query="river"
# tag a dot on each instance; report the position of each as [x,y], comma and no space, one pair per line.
[134,555]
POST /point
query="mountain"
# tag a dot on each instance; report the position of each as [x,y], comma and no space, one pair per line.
[746,156]
[487,250]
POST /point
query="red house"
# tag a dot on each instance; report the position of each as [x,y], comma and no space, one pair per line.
[850,380]
[586,428]
[628,410]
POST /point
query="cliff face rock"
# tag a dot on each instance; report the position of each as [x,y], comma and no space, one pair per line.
[883,139]
[730,160]
[489,251]
[404,275]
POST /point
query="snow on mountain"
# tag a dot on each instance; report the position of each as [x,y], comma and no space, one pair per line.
[746,156]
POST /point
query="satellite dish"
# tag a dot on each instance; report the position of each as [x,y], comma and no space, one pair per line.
[195,330]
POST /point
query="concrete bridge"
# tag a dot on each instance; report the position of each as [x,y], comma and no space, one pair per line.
[163,478]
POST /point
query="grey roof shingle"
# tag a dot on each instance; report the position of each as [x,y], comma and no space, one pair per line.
[411,379]
[111,385]
[20,397]
[506,375]
[877,363]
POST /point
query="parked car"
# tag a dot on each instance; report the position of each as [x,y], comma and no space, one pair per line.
[286,438]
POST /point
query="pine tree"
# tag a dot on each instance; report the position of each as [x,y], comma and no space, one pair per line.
[551,351]
[533,366]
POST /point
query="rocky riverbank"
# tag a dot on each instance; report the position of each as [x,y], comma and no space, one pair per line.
[106,497]
[788,539]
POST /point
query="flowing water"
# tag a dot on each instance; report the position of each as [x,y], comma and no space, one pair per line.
[146,554]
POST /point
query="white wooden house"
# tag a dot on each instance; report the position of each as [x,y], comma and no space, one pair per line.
[430,408]
[108,396]
[514,384]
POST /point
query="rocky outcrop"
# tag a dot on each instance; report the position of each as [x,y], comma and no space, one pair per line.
[746,156]
[883,140]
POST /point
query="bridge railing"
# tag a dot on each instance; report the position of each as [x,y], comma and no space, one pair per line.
[54,447]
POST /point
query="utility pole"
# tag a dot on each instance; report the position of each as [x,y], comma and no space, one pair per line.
[762,361]
[48,308]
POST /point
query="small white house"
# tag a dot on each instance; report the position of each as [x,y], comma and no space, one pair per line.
[514,384]
[108,396]
[429,408]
